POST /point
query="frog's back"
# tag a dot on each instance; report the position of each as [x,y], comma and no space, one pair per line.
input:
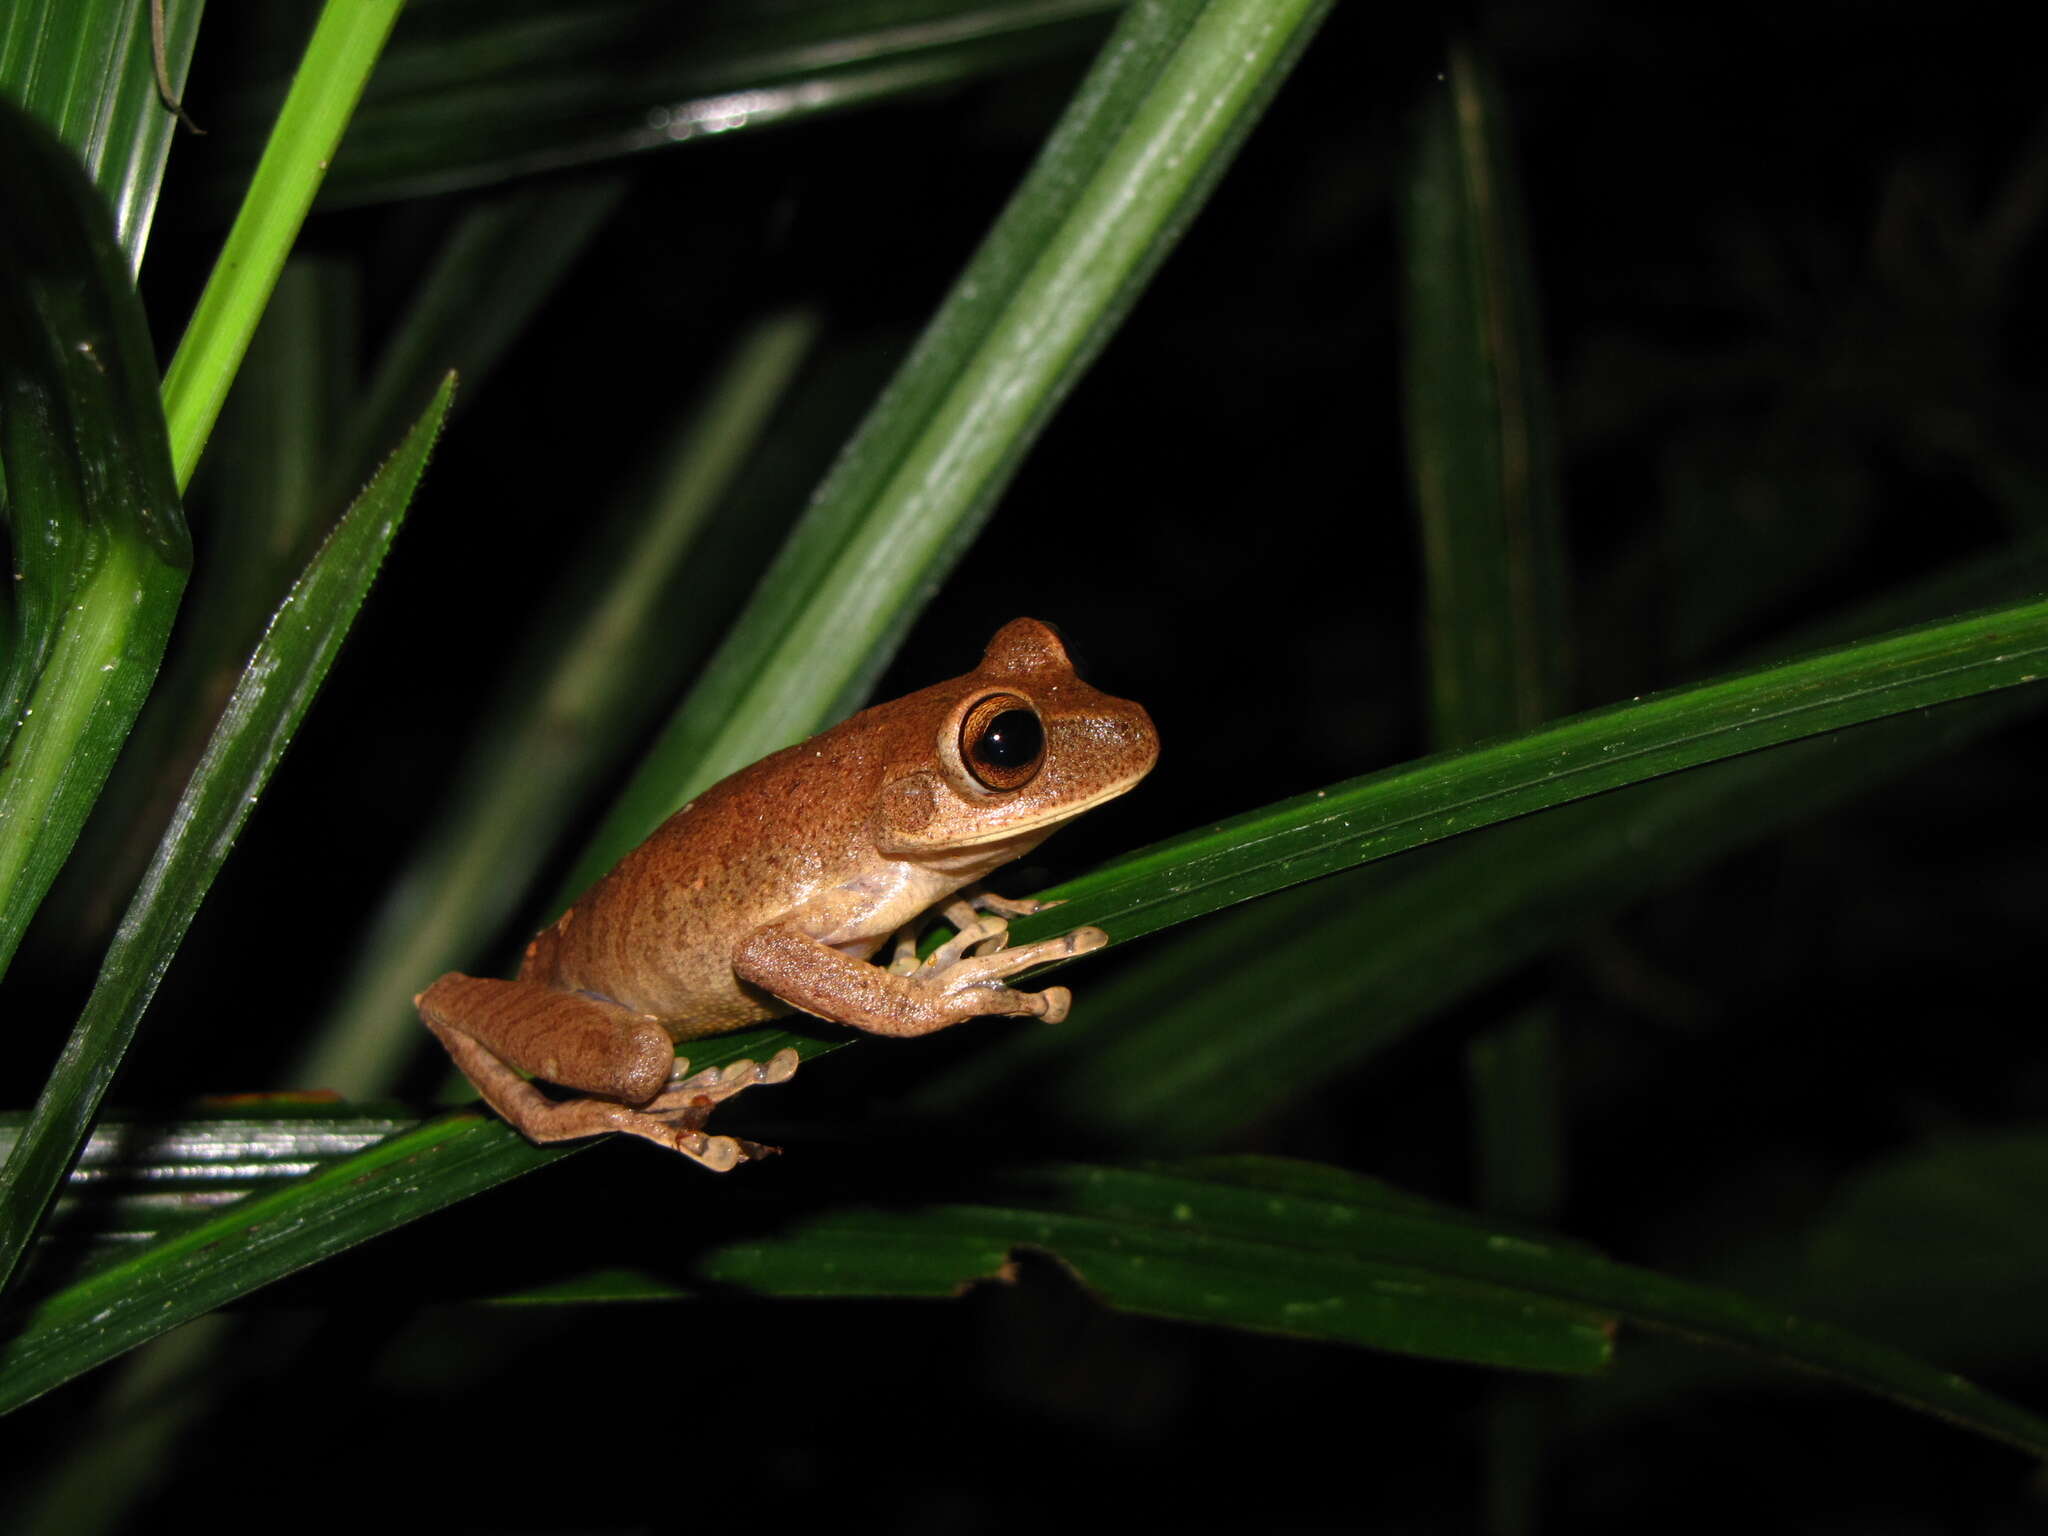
[657,932]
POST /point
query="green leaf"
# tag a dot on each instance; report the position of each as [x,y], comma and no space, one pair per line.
[338,59]
[1261,1244]
[1152,128]
[1400,808]
[100,550]
[277,688]
[86,68]
[1513,1074]
[255,1241]
[1482,454]
[1196,1246]
[476,91]
[1481,448]
[1274,1000]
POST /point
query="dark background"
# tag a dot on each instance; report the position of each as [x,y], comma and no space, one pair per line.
[1785,264]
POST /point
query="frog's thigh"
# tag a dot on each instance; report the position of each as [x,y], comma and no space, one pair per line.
[580,1042]
[833,985]
[586,1043]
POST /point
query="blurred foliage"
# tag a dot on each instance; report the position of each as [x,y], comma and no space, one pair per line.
[1783,1034]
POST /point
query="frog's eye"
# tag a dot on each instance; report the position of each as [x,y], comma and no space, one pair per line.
[1002,742]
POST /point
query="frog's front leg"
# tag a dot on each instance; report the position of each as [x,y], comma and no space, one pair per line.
[831,984]
[494,1030]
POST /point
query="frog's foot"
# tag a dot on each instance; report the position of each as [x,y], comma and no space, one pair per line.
[681,1131]
[985,970]
[680,1110]
[831,984]
[714,1085]
[982,935]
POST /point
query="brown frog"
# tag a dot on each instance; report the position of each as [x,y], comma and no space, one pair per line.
[769,893]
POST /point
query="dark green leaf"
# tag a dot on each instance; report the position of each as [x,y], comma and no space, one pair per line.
[100,551]
[1481,448]
[1244,1242]
[277,688]
[198,1267]
[263,516]
[475,91]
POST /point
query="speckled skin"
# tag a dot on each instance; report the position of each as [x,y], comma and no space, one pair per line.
[847,837]
[772,889]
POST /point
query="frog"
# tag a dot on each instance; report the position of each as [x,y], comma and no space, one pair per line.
[778,891]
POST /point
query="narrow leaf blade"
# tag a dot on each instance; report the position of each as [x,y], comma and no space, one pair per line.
[277,688]
[345,44]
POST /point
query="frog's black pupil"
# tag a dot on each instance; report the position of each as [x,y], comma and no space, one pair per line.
[1011,740]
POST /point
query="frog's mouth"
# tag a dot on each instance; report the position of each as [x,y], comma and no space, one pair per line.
[1049,820]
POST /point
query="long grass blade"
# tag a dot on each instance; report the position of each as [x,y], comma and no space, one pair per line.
[1481,449]
[345,44]
[478,91]
[1385,813]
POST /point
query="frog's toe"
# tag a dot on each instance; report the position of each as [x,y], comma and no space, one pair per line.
[1082,940]
[1010,906]
[721,1154]
[687,1091]
[1054,1003]
[680,1079]
[983,936]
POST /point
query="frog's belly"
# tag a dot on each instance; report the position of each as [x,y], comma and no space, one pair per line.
[659,932]
[660,958]
[692,991]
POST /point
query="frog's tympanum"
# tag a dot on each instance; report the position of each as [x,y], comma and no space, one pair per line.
[770,892]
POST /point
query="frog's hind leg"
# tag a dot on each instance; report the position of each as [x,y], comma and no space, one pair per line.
[625,1060]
